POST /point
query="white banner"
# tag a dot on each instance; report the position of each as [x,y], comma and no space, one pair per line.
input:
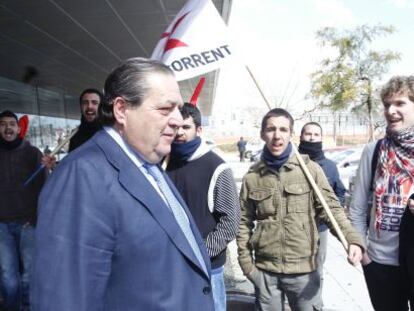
[196,42]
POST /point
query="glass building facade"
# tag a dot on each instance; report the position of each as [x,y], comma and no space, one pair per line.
[52,114]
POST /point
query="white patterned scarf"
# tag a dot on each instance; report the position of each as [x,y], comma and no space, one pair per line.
[395,166]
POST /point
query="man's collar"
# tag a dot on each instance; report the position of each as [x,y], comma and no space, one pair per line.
[132,154]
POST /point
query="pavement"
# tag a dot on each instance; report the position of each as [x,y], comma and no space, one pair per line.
[344,286]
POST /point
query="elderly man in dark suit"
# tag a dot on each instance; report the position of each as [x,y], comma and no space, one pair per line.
[113,232]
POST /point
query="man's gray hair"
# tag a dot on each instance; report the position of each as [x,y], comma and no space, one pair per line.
[130,81]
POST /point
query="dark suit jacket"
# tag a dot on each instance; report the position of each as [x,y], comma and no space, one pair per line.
[107,241]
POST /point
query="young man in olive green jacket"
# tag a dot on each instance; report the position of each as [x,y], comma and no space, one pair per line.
[278,234]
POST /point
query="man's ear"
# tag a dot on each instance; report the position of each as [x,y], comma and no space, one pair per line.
[199,131]
[119,110]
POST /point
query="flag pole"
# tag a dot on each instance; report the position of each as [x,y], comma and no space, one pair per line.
[321,198]
[64,142]
[258,87]
[53,153]
[308,176]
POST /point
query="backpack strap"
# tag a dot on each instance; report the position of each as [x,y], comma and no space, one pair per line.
[374,162]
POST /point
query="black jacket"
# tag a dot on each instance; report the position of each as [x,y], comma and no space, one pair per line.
[331,172]
[86,130]
[18,203]
[407,247]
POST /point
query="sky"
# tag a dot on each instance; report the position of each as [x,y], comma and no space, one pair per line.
[276,39]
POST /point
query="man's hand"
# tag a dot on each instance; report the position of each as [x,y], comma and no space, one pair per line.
[251,276]
[354,254]
[248,274]
[365,259]
[49,161]
[411,206]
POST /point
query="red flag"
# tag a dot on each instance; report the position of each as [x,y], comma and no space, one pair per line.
[23,125]
[197,92]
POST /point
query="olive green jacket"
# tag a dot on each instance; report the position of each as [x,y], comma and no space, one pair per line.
[280,213]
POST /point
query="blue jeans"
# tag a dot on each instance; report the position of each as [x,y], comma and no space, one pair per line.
[218,289]
[16,252]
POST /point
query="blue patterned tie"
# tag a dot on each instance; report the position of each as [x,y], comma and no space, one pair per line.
[177,210]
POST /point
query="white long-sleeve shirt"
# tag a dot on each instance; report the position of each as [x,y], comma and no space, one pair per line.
[382,244]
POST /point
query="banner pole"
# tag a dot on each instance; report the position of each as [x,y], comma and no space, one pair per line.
[258,87]
[320,197]
[52,154]
[64,142]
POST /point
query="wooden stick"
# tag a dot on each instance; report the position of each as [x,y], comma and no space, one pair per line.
[64,142]
[320,197]
[258,87]
[56,150]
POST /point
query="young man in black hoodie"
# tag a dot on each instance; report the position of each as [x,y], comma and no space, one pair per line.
[311,144]
[89,101]
[18,210]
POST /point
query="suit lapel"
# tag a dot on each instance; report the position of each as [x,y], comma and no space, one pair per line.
[197,235]
[134,182]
